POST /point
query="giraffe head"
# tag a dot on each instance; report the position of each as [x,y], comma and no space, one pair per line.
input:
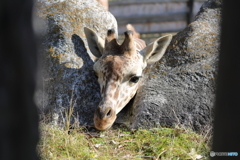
[119,68]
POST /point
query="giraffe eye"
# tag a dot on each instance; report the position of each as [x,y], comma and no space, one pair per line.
[135,79]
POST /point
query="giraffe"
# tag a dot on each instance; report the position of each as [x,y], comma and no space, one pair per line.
[131,28]
[119,69]
[104,3]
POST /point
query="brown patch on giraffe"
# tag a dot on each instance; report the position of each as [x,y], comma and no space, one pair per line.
[115,77]
[113,85]
[109,95]
[116,94]
[113,68]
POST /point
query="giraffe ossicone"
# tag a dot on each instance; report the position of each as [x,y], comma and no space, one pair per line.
[119,69]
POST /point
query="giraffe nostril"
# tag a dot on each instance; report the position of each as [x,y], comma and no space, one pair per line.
[109,113]
[103,113]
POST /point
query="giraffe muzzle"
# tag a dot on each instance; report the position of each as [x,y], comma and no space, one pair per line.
[104,118]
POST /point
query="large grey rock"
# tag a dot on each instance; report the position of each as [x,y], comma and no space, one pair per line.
[180,89]
[67,73]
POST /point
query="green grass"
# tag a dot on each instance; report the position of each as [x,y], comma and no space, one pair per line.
[122,143]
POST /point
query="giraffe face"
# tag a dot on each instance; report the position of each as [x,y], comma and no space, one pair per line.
[119,70]
[119,78]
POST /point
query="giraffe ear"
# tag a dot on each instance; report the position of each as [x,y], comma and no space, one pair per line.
[155,50]
[95,43]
